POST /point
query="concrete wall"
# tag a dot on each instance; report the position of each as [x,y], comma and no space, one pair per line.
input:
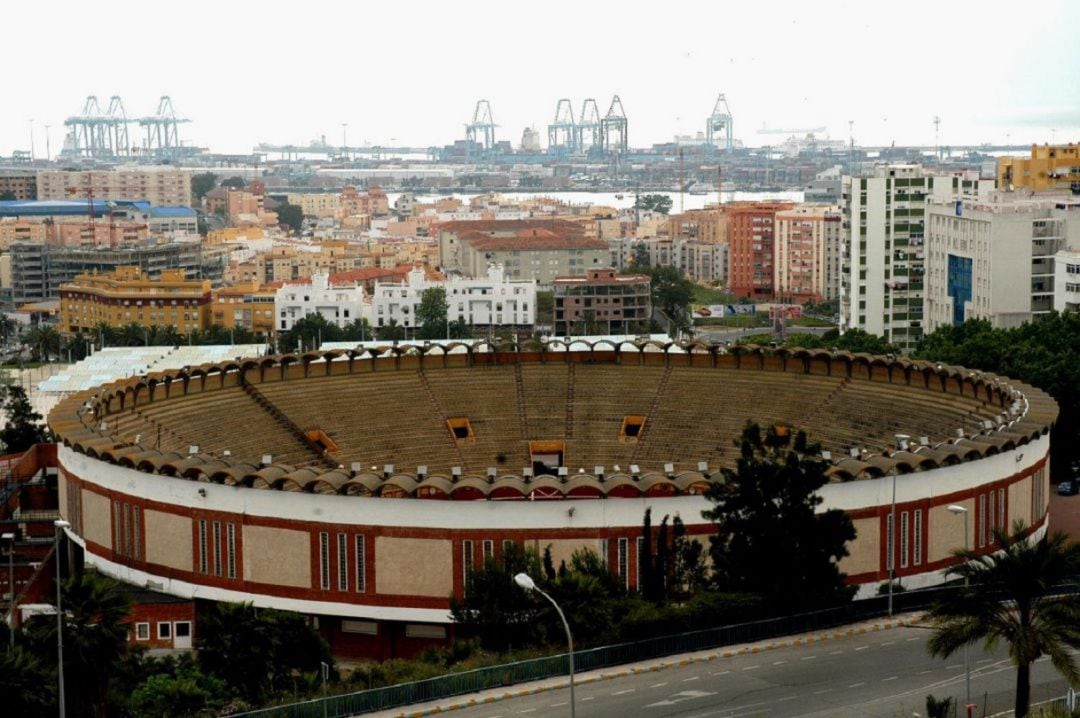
[168,540]
[427,567]
[277,556]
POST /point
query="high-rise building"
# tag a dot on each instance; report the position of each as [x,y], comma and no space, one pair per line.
[1049,167]
[162,186]
[994,257]
[882,279]
[751,248]
[808,245]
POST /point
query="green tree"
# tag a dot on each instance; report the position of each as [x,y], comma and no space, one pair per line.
[234,182]
[431,314]
[257,651]
[672,293]
[8,327]
[8,196]
[769,540]
[95,640]
[1011,596]
[391,331]
[24,427]
[44,341]
[201,184]
[640,259]
[290,215]
[358,330]
[26,683]
[654,202]
[496,609]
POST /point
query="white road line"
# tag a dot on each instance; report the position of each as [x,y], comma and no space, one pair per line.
[888,643]
[590,698]
[528,710]
[721,673]
[808,658]
[779,663]
[836,653]
[559,705]
[985,660]
[862,648]
[787,698]
[658,685]
[823,690]
[913,638]
[750,668]
[953,666]
[622,693]
[856,685]
[890,678]
[691,678]
[923,673]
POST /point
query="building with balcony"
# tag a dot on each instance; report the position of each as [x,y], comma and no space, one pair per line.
[602,302]
[339,305]
[128,296]
[808,245]
[18,184]
[1050,167]
[491,301]
[245,305]
[163,186]
[751,247]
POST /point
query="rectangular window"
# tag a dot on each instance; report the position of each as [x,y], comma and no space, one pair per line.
[217,549]
[127,530]
[343,562]
[916,549]
[361,576]
[202,546]
[136,532]
[230,553]
[889,549]
[466,563]
[324,561]
[142,631]
[118,528]
[640,559]
[623,567]
[904,552]
[164,630]
[604,551]
[992,518]
[489,549]
[507,548]
[982,520]
[1001,508]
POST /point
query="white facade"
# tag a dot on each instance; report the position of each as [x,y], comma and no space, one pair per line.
[806,260]
[340,305]
[488,301]
[882,277]
[1067,281]
[996,256]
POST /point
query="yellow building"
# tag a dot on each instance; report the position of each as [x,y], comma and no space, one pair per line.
[317,204]
[129,297]
[1049,167]
[244,305]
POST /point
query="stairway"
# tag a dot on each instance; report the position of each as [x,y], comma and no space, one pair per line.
[291,426]
[661,392]
[570,401]
[441,415]
[523,417]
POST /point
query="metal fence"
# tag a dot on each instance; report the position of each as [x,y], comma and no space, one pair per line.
[508,674]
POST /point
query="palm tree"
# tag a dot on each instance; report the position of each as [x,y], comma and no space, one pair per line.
[44,340]
[7,327]
[1011,596]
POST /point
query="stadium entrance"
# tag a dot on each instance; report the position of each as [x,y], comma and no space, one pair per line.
[546,457]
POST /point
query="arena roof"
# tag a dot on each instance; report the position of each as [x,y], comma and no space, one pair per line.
[376,420]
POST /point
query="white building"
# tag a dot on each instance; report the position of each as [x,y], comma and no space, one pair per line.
[1067,281]
[808,242]
[489,301]
[994,257]
[882,276]
[339,305]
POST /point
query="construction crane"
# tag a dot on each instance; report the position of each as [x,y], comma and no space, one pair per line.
[613,129]
[588,126]
[87,129]
[720,124]
[482,126]
[562,133]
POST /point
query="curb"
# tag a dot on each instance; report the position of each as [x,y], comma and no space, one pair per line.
[805,640]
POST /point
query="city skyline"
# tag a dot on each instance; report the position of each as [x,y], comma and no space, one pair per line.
[242,81]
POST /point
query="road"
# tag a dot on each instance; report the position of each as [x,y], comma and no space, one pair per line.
[885,673]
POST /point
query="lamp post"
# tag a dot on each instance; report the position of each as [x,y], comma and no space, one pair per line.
[10,538]
[523,580]
[60,525]
[967,646]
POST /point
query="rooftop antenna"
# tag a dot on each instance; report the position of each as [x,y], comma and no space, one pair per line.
[937,129]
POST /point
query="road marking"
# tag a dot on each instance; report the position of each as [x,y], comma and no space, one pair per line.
[836,653]
[955,665]
[691,678]
[528,710]
[787,698]
[750,668]
[888,643]
[721,673]
[779,663]
[856,685]
[985,660]
[913,638]
[923,673]
[589,698]
[622,693]
[808,658]
[556,705]
[862,648]
[890,678]
[658,685]
[823,690]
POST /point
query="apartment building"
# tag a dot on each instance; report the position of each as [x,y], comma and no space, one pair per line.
[808,246]
[451,236]
[245,305]
[128,296]
[18,184]
[1067,281]
[882,277]
[995,257]
[602,301]
[1050,167]
[163,186]
[490,301]
[339,305]
[373,203]
[317,204]
[751,247]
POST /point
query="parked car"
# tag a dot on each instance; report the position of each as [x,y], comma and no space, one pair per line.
[1069,487]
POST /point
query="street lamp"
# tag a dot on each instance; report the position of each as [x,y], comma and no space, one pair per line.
[60,525]
[954,509]
[10,538]
[523,580]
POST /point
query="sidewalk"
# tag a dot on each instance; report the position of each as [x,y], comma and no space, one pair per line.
[493,695]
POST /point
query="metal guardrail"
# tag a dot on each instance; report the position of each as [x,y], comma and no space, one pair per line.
[480,679]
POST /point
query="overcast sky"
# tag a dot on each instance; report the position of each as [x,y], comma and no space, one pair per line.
[410,72]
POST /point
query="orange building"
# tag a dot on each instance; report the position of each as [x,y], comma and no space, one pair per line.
[1049,167]
[374,203]
[751,247]
[127,296]
[244,305]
